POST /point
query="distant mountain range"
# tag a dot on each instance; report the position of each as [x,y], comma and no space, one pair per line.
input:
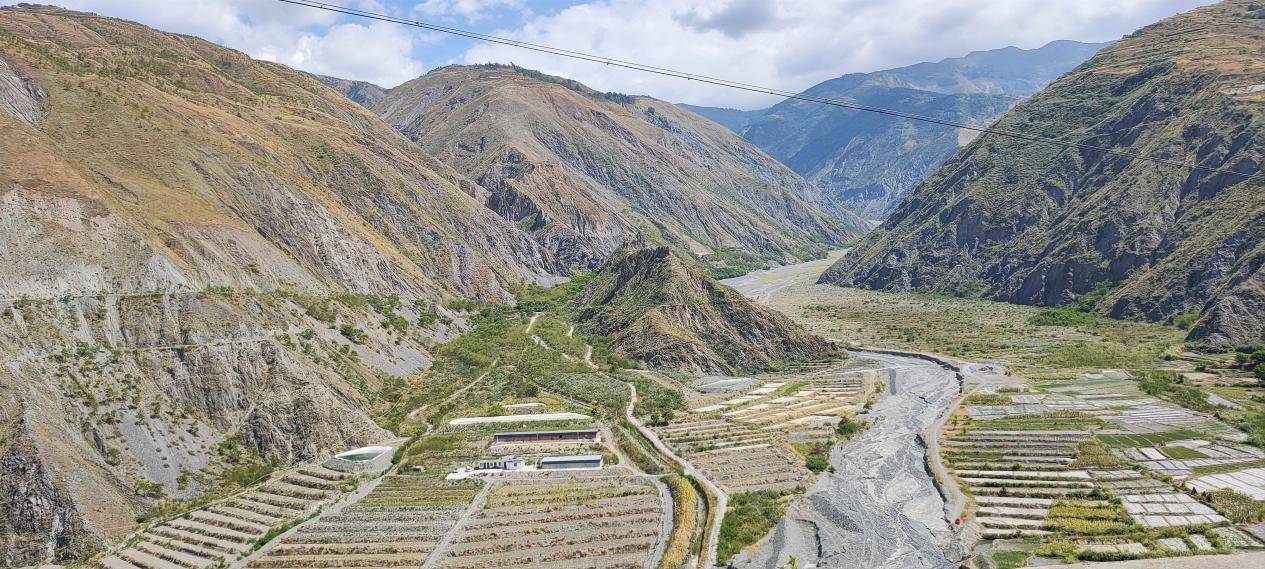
[1040,224]
[871,162]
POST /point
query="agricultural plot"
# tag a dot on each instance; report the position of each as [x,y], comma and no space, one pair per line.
[397,524]
[739,433]
[222,531]
[611,522]
[1017,476]
[1183,458]
[1078,465]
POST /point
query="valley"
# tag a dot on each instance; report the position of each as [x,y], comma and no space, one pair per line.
[253,317]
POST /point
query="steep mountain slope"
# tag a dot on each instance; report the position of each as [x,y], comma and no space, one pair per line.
[871,162]
[188,242]
[365,93]
[659,310]
[1039,224]
[584,171]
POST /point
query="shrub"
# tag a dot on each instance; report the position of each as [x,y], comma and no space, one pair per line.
[1063,317]
[353,333]
[848,427]
[322,311]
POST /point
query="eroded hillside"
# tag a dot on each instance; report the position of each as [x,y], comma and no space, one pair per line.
[211,264]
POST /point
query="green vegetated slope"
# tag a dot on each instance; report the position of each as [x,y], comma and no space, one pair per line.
[871,162]
[583,171]
[1040,224]
[658,309]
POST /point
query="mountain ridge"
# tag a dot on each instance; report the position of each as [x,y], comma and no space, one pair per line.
[570,166]
[1037,224]
[869,162]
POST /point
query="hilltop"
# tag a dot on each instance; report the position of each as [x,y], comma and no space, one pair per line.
[660,310]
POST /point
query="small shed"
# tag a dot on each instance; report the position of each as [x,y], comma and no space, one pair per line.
[575,461]
[503,463]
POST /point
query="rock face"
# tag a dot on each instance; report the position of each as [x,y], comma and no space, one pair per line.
[38,518]
[1039,224]
[871,162]
[584,171]
[661,311]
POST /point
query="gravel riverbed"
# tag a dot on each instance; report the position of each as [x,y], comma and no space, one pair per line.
[880,508]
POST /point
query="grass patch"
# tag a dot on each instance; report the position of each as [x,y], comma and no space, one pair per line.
[1182,453]
[750,516]
[1009,559]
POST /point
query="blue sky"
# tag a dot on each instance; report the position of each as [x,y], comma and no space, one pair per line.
[787,44]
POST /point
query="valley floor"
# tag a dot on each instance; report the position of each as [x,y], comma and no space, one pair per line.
[1080,437]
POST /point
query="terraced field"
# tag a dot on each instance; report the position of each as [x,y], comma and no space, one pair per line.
[739,434]
[398,524]
[1094,468]
[222,531]
[612,522]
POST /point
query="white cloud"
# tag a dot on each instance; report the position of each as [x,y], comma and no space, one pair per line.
[469,10]
[303,38]
[793,44]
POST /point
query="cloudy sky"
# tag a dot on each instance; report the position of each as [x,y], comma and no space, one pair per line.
[787,44]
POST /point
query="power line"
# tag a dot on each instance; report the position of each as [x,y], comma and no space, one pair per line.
[757,88]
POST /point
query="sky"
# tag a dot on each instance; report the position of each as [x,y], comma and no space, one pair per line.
[785,44]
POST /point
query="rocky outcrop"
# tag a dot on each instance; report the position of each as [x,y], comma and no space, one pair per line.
[1040,224]
[584,171]
[659,310]
[20,96]
[38,518]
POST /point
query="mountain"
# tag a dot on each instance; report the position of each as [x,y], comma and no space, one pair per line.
[365,93]
[871,162]
[584,171]
[732,119]
[205,258]
[1041,224]
[662,311]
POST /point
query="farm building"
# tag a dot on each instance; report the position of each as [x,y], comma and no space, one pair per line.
[565,462]
[576,435]
[503,463]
